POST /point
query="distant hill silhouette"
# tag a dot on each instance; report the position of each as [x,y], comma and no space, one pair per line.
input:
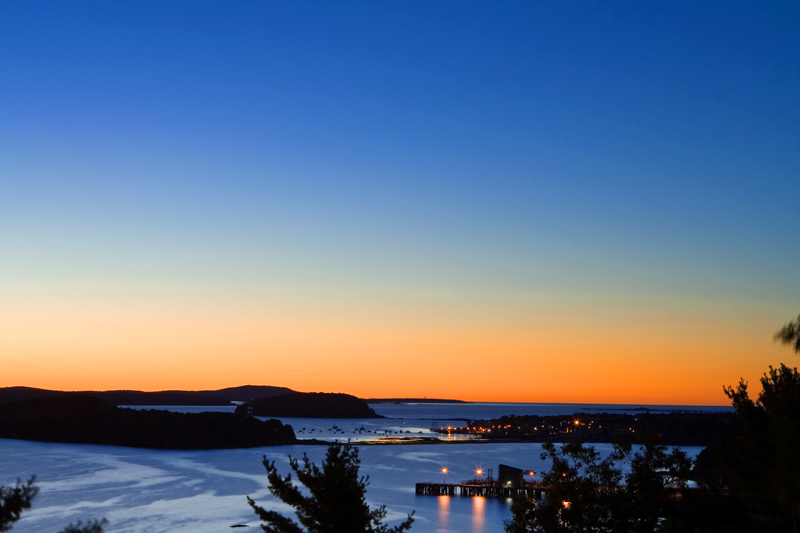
[82,419]
[309,405]
[14,394]
[245,393]
[174,397]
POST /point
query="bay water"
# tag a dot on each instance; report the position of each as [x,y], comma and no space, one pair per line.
[155,491]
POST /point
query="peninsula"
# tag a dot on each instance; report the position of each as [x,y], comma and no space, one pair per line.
[673,428]
[80,419]
[309,405]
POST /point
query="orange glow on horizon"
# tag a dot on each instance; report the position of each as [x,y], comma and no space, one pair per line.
[625,361]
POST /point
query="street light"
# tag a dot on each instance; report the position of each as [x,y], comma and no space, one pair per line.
[444,474]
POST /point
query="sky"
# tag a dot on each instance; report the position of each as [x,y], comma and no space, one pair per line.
[494,201]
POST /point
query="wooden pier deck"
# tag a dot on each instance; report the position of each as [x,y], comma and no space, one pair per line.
[533,490]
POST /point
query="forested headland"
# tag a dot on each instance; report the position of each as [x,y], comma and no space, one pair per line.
[675,428]
[80,419]
[309,405]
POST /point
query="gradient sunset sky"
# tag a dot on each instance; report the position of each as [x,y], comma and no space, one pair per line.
[544,201]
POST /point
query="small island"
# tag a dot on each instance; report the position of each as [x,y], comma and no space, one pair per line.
[411,400]
[309,405]
[80,419]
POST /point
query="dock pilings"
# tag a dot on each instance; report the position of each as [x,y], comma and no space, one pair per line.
[488,490]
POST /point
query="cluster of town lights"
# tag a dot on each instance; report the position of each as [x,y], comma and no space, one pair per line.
[567,426]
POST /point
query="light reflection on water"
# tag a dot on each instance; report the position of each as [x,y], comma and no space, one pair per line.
[444,512]
[478,514]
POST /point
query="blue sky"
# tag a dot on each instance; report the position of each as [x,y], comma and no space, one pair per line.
[602,155]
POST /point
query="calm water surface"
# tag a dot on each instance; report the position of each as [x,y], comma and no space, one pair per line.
[153,491]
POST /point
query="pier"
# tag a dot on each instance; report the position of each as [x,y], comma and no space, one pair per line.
[510,483]
[487,489]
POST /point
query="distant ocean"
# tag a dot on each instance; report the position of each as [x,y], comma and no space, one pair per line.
[487,410]
[152,491]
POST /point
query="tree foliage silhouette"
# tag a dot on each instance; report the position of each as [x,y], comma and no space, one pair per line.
[15,500]
[790,334]
[334,500]
[590,494]
[92,526]
[763,461]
